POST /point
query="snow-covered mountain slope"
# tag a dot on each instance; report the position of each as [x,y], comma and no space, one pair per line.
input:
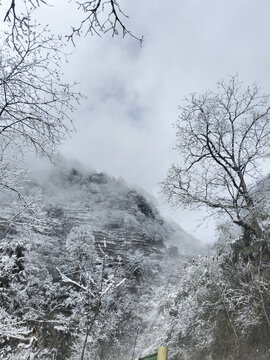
[108,205]
[84,279]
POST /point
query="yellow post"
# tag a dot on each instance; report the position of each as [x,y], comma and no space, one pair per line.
[162,353]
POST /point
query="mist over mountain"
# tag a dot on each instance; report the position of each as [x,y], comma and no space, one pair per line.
[86,268]
[91,270]
[108,204]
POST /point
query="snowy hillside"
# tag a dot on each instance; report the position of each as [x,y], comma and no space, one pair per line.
[88,275]
[91,270]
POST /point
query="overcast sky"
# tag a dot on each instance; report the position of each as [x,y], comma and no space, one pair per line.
[124,127]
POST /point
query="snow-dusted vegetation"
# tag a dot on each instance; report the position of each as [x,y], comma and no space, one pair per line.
[92,275]
[84,277]
[222,307]
[89,269]
[221,310]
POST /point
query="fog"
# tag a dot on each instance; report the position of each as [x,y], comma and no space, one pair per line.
[124,126]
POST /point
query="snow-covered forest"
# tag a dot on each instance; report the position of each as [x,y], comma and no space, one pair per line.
[89,272]
[94,271]
[90,268]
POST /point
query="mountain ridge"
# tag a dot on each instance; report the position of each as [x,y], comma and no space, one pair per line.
[99,251]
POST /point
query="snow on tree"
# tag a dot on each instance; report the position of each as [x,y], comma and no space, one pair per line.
[223,138]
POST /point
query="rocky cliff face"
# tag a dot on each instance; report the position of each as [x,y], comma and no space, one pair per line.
[83,279]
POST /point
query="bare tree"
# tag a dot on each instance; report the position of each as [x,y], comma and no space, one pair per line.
[222,138]
[98,17]
[101,17]
[96,285]
[35,104]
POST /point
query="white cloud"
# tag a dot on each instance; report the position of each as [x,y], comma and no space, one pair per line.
[125,125]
